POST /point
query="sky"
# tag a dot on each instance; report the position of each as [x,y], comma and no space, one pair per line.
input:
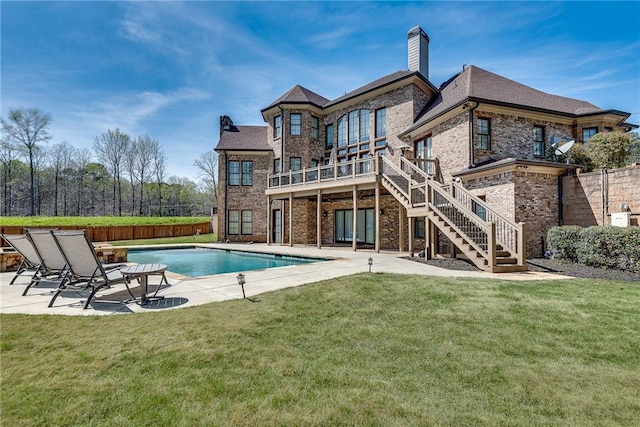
[170,69]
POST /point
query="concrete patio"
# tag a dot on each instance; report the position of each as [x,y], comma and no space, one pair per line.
[186,291]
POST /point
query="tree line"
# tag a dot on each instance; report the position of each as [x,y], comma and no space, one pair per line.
[128,178]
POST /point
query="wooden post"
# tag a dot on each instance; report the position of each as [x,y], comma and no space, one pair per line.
[268,220]
[400,228]
[355,219]
[491,245]
[319,219]
[522,244]
[377,246]
[290,219]
[410,227]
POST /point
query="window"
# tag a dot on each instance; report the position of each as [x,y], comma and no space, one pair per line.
[483,134]
[277,127]
[315,127]
[538,141]
[295,163]
[423,151]
[342,131]
[364,125]
[588,133]
[237,175]
[296,123]
[234,172]
[233,221]
[353,127]
[247,173]
[419,228]
[328,135]
[381,123]
[276,165]
[247,222]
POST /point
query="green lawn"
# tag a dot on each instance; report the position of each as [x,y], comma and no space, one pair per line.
[369,349]
[97,221]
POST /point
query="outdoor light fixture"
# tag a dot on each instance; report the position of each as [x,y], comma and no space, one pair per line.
[370,264]
[325,214]
[241,282]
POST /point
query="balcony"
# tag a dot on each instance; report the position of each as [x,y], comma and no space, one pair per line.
[335,176]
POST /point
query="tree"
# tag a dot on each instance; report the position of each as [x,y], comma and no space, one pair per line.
[159,162]
[8,152]
[112,148]
[61,156]
[28,127]
[208,166]
[610,149]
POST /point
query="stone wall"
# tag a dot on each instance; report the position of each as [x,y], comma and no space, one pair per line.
[590,198]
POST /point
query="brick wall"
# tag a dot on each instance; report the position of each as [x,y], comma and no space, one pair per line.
[243,197]
[583,196]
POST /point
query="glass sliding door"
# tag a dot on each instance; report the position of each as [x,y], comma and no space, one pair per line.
[366,232]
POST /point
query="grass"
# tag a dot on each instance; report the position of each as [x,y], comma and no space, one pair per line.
[202,238]
[369,349]
[97,221]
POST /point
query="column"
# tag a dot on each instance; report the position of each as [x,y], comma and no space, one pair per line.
[319,219]
[355,218]
[377,246]
[268,220]
[290,219]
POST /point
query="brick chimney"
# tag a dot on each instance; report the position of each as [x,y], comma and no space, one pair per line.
[418,50]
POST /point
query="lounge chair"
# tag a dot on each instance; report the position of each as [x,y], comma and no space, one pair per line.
[30,259]
[86,272]
[53,265]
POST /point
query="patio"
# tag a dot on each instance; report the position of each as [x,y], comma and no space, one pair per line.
[189,291]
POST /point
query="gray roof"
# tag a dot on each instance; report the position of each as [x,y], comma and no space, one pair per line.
[476,84]
[383,81]
[244,138]
[299,95]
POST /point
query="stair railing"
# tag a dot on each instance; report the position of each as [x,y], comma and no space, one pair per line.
[399,180]
[508,233]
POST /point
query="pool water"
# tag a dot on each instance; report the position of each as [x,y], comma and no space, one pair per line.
[203,262]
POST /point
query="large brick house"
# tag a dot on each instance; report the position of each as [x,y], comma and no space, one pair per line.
[406,165]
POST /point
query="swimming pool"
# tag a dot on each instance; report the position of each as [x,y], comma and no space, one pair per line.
[204,261]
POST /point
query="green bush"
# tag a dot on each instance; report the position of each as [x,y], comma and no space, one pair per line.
[610,247]
[597,246]
[562,241]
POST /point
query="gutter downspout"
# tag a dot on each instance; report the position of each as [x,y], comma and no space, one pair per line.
[472,157]
[282,133]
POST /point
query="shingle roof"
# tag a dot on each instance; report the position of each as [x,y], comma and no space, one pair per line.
[299,95]
[481,85]
[244,138]
[388,79]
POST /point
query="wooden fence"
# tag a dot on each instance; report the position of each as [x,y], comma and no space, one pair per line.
[126,232]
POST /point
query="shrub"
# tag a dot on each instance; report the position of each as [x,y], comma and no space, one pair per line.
[562,241]
[597,246]
[610,149]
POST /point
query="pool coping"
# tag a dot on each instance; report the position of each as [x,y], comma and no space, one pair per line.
[185,291]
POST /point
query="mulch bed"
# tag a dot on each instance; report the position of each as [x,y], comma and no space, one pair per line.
[541,264]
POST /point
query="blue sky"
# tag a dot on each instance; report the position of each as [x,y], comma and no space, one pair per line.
[170,69]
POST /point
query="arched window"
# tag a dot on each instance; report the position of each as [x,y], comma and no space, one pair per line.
[342,131]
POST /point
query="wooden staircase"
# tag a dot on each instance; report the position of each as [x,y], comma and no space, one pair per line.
[492,242]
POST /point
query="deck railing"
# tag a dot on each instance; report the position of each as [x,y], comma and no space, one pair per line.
[337,171]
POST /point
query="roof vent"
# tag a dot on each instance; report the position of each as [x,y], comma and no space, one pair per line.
[418,51]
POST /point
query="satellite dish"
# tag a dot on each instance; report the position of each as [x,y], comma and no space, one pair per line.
[564,148]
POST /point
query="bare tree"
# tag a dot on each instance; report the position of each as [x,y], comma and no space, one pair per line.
[111,148]
[159,162]
[208,166]
[28,127]
[8,153]
[145,149]
[61,155]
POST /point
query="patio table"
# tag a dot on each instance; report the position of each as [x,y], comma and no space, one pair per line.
[142,272]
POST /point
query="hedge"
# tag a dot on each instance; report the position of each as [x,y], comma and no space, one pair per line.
[597,246]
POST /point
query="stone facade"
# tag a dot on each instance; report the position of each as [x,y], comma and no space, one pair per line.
[590,198]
